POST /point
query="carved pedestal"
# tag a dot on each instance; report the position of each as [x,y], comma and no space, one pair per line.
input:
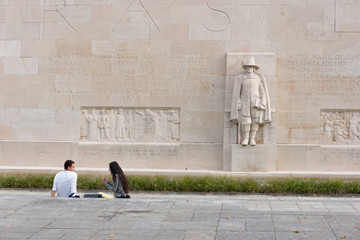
[252,159]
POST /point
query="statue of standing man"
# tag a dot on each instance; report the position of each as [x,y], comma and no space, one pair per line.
[250,103]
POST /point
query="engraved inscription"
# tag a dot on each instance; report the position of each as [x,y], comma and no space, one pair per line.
[340,127]
[341,159]
[135,155]
[130,124]
[322,78]
[144,151]
[130,77]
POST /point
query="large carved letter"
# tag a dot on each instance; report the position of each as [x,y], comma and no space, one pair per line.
[147,12]
[220,12]
[57,10]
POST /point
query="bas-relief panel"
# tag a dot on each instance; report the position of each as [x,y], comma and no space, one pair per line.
[340,127]
[130,125]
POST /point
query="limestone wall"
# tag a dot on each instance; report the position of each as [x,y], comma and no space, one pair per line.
[147,83]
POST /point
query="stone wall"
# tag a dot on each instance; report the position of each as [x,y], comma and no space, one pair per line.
[154,77]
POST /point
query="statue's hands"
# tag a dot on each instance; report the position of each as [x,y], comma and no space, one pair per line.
[260,107]
[239,105]
[235,120]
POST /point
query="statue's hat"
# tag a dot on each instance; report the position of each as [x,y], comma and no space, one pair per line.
[250,63]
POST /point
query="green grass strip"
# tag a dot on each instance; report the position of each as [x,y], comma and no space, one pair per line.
[195,184]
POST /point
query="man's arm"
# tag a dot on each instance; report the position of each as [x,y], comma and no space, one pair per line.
[53,190]
[52,193]
[73,184]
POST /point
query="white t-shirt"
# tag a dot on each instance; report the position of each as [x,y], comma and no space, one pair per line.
[65,183]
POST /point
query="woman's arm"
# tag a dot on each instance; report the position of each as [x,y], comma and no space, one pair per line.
[116,186]
[110,186]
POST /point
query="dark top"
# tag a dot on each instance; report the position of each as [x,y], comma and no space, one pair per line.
[116,187]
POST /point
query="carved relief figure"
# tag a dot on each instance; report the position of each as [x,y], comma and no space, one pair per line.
[340,131]
[140,123]
[84,128]
[121,126]
[328,126]
[174,125]
[355,129]
[250,106]
[107,125]
[163,124]
[112,124]
[103,123]
[129,125]
[92,119]
[152,122]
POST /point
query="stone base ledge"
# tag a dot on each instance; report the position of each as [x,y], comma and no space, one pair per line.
[180,172]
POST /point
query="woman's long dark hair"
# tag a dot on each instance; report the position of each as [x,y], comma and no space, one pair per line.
[116,169]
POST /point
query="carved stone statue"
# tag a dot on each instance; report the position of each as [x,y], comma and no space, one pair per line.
[250,105]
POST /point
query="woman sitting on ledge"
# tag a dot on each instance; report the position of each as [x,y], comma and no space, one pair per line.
[120,185]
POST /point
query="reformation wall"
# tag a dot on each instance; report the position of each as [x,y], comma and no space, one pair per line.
[233,85]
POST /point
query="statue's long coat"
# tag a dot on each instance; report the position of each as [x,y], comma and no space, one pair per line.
[251,89]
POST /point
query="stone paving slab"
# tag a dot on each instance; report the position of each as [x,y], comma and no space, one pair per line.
[34,215]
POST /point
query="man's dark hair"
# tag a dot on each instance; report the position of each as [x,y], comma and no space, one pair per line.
[68,163]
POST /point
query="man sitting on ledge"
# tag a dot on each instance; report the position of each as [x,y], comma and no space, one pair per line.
[65,181]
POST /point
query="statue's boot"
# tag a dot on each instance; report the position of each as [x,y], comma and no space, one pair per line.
[254,128]
[245,129]
[252,138]
[245,142]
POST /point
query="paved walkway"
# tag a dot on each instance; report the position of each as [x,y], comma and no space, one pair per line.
[33,215]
